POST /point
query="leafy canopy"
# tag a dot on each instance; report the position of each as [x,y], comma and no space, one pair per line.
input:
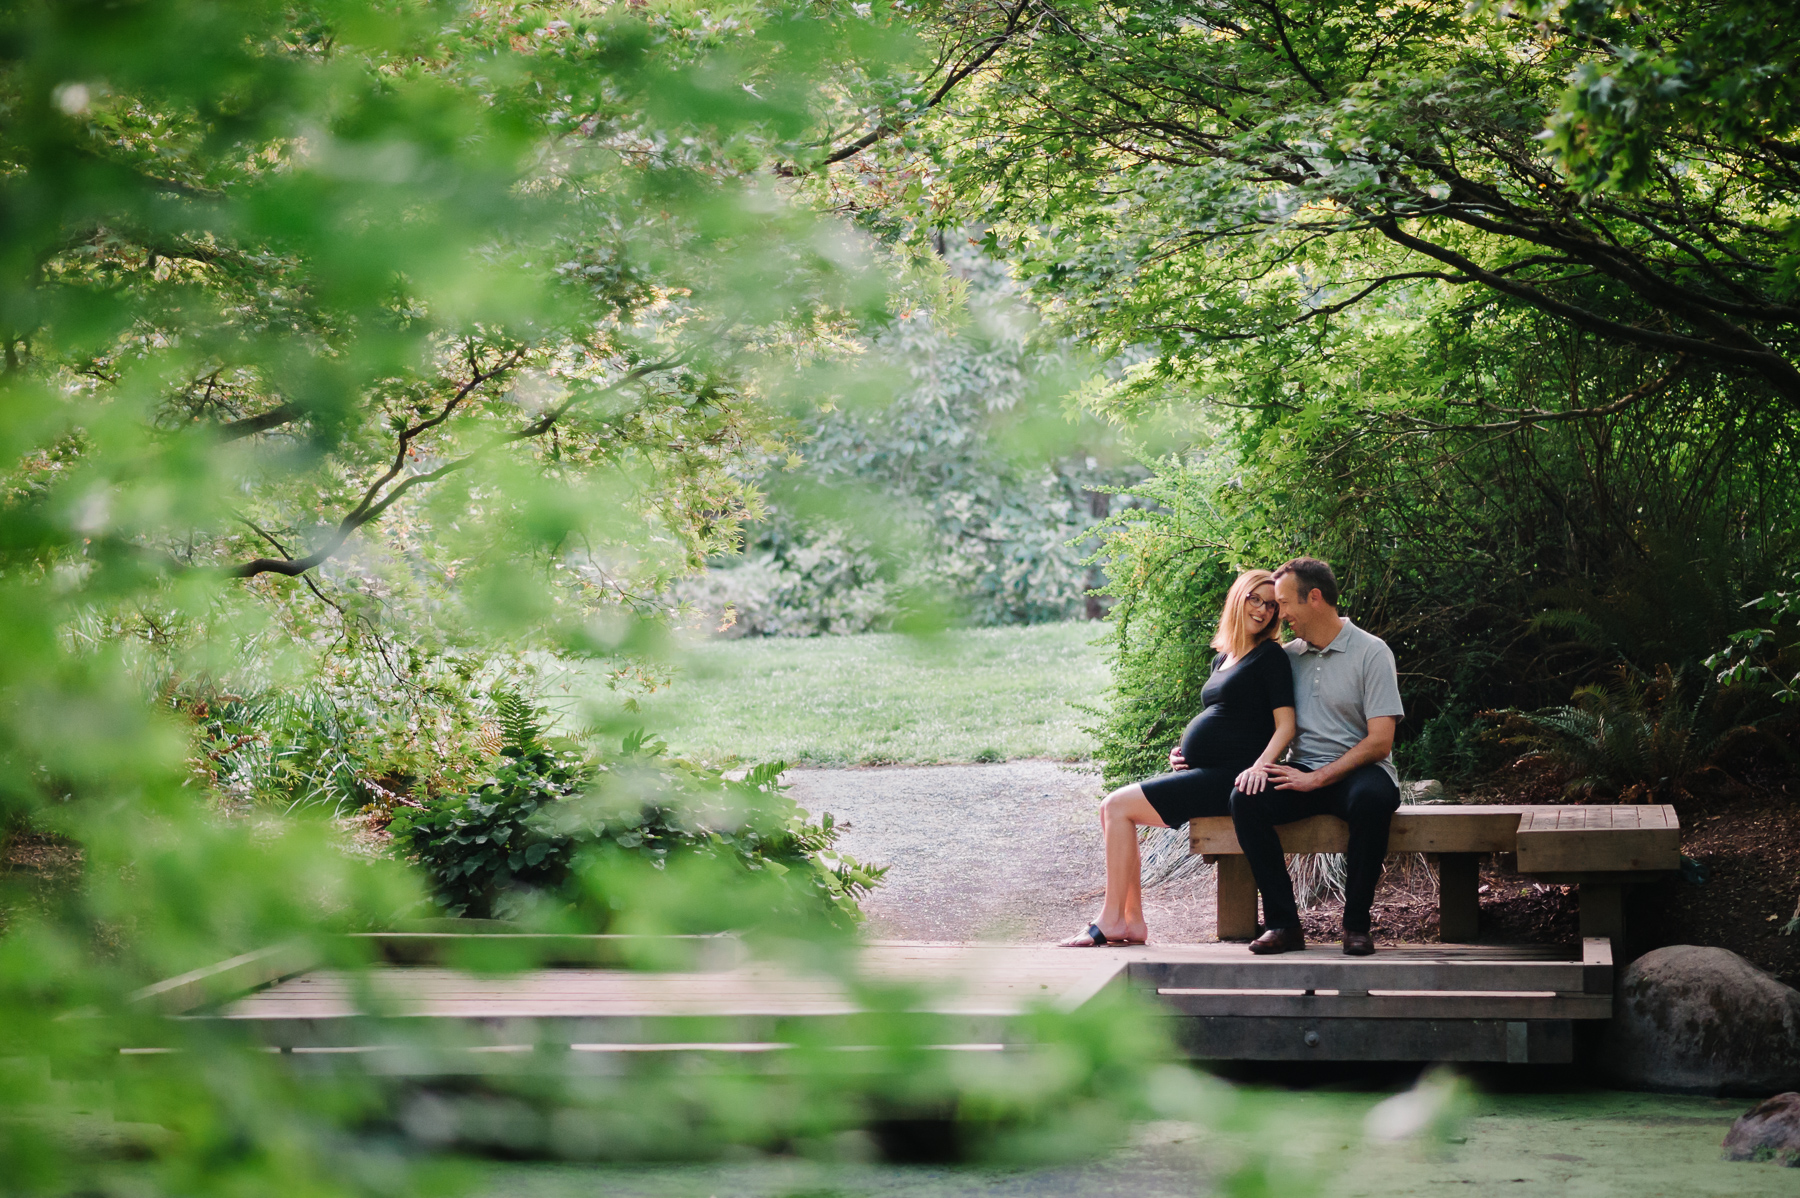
[1197,178]
[1493,306]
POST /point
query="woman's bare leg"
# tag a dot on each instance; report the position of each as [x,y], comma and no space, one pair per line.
[1122,911]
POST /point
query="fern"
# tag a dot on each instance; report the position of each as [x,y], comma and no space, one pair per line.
[522,729]
[1638,736]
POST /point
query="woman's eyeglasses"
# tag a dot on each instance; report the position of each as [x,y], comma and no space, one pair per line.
[1255,604]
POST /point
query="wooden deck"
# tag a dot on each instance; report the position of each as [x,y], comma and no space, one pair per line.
[461,996]
[1449,1002]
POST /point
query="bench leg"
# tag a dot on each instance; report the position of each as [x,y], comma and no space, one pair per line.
[1459,906]
[1236,898]
[1603,914]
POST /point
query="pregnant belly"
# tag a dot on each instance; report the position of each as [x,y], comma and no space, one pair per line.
[1216,742]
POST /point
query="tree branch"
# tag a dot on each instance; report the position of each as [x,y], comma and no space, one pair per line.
[1287,47]
[373,503]
[283,550]
[1775,369]
[1531,416]
[993,43]
[249,426]
[379,496]
[1314,313]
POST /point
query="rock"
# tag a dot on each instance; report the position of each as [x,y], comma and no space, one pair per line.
[1769,1131]
[1428,791]
[1703,1020]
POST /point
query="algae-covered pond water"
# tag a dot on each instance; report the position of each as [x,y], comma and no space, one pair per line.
[1281,1144]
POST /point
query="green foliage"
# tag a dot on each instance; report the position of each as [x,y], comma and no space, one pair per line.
[799,579]
[485,849]
[1391,298]
[534,835]
[1717,71]
[522,725]
[1193,183]
[1760,659]
[363,726]
[1637,739]
[949,489]
[1505,565]
[330,336]
[362,299]
[1168,567]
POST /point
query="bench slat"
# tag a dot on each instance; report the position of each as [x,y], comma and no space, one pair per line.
[1475,828]
[1599,838]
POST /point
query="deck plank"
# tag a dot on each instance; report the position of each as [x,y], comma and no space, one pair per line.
[1382,1005]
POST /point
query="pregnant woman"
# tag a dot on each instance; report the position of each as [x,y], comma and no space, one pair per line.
[1246,723]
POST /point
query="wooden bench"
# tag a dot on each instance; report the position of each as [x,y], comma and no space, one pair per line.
[1598,848]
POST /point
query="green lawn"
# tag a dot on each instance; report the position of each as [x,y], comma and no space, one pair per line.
[987,694]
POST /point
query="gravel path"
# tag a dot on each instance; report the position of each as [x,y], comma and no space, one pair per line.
[988,852]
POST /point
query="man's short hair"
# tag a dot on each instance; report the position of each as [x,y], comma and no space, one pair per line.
[1312,575]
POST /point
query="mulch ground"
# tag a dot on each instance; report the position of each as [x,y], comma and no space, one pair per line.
[34,869]
[1741,829]
[1746,839]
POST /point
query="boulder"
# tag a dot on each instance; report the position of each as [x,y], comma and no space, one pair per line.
[1770,1131]
[1703,1020]
[1428,791]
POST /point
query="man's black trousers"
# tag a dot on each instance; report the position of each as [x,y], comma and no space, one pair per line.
[1365,798]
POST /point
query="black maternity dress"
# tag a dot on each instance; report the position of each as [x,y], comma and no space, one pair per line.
[1233,727]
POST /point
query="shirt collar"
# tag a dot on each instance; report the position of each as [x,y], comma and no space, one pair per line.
[1337,642]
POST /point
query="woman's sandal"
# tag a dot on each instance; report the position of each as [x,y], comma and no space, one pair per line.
[1099,939]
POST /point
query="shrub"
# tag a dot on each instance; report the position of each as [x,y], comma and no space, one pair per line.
[536,830]
[803,581]
[374,719]
[946,496]
[1765,661]
[1169,567]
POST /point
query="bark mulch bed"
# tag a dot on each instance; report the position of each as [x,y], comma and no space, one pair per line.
[34,869]
[1514,909]
[1740,829]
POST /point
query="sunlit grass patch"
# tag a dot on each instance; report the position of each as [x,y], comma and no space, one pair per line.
[989,694]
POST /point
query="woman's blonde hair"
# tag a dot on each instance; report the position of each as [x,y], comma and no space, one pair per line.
[1234,635]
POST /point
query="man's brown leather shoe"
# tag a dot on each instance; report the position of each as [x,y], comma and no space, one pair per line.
[1358,944]
[1279,940]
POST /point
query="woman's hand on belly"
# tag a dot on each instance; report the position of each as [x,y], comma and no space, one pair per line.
[1177,762]
[1253,780]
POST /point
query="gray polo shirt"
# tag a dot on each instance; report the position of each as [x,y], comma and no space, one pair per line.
[1337,690]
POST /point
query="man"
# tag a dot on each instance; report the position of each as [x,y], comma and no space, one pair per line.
[1347,704]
